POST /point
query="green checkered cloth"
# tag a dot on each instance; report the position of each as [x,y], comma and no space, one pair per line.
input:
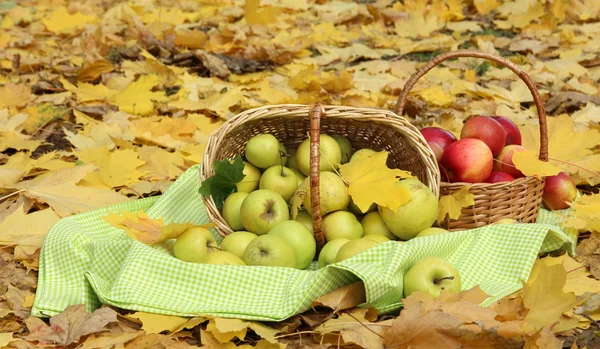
[86,260]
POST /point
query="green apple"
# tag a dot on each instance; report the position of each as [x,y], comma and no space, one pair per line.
[333,193]
[377,238]
[330,250]
[345,147]
[250,181]
[231,210]
[291,161]
[270,250]
[223,257]
[194,244]
[354,209]
[341,224]
[373,225]
[237,242]
[299,176]
[362,153]
[262,209]
[431,231]
[433,275]
[331,155]
[354,247]
[417,214]
[300,238]
[264,151]
[306,219]
[281,180]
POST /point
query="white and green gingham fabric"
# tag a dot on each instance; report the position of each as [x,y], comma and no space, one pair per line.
[86,260]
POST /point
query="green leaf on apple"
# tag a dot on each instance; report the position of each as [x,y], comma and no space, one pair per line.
[223,182]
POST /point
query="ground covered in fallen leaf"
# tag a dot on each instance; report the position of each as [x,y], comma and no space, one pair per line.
[103,102]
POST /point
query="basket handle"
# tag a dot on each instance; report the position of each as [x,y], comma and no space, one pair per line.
[316,112]
[501,60]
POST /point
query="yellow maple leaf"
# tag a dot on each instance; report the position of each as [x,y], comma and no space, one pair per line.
[569,150]
[137,97]
[256,15]
[115,168]
[59,190]
[585,213]
[156,323]
[148,230]
[529,164]
[88,92]
[371,181]
[27,231]
[14,95]
[61,21]
[225,330]
[452,205]
[160,164]
[543,295]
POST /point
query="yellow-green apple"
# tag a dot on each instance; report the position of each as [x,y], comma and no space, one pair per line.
[415,215]
[264,151]
[486,129]
[330,250]
[506,221]
[270,250]
[354,209]
[354,247]
[513,135]
[237,242]
[496,177]
[251,178]
[433,275]
[299,176]
[345,147]
[377,238]
[291,161]
[504,162]
[330,158]
[341,224]
[194,244]
[224,258]
[300,238]
[373,224]
[431,231]
[559,190]
[281,180]
[362,153]
[333,193]
[231,210]
[438,139]
[306,219]
[468,160]
[262,209]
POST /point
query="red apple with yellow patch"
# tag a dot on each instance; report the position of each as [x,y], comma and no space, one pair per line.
[504,162]
[513,135]
[438,139]
[559,190]
[486,129]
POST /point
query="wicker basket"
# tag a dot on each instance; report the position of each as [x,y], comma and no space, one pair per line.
[519,199]
[365,128]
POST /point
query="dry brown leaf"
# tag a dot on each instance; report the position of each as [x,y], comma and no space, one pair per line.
[345,297]
[588,253]
[108,340]
[70,325]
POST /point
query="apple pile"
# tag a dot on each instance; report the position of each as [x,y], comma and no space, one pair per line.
[259,210]
[484,155]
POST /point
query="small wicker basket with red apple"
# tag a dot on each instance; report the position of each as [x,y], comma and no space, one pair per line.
[519,199]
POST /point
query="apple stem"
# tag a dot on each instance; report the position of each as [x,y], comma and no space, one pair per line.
[572,164]
[436,281]
[281,156]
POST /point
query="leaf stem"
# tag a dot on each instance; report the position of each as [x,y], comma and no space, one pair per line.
[360,322]
[334,169]
[12,194]
[572,164]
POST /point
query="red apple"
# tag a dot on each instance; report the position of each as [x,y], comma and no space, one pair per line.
[468,160]
[437,136]
[513,135]
[486,129]
[496,177]
[559,190]
[504,163]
